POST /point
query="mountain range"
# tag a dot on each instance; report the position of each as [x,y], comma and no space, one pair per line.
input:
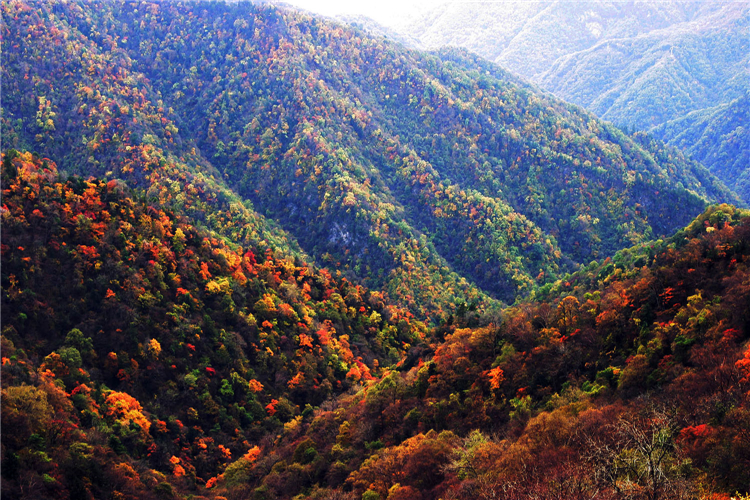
[440,179]
[668,68]
[252,253]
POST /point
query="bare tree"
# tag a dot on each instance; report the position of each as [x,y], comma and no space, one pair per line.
[638,459]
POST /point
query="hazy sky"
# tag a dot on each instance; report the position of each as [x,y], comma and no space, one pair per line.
[384,11]
[389,12]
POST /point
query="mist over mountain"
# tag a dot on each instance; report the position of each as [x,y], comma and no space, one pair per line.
[653,66]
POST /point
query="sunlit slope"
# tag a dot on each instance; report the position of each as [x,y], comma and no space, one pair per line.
[435,178]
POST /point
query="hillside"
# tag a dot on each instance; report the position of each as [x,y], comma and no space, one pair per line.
[132,339]
[249,253]
[144,358]
[719,137]
[438,179]
[627,380]
[641,65]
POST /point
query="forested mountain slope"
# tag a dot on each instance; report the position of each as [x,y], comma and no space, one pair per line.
[145,358]
[630,379]
[718,137]
[656,66]
[437,179]
[184,309]
[130,338]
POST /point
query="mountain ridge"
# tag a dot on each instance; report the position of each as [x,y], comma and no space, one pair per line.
[183,301]
[663,60]
[435,178]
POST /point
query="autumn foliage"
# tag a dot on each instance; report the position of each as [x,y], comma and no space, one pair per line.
[165,344]
[166,333]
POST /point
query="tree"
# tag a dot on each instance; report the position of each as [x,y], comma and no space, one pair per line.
[638,459]
[25,410]
[567,312]
[126,410]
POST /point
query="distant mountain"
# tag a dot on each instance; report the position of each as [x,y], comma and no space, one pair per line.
[641,65]
[439,179]
[718,136]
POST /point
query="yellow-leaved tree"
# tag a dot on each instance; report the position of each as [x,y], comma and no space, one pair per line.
[126,410]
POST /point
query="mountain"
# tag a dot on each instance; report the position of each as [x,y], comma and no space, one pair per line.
[143,357]
[654,66]
[718,137]
[440,179]
[378,30]
[249,253]
[131,338]
[625,380]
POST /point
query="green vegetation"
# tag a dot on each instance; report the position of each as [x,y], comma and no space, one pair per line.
[718,138]
[674,69]
[271,265]
[431,178]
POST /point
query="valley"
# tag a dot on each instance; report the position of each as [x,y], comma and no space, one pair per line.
[248,252]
